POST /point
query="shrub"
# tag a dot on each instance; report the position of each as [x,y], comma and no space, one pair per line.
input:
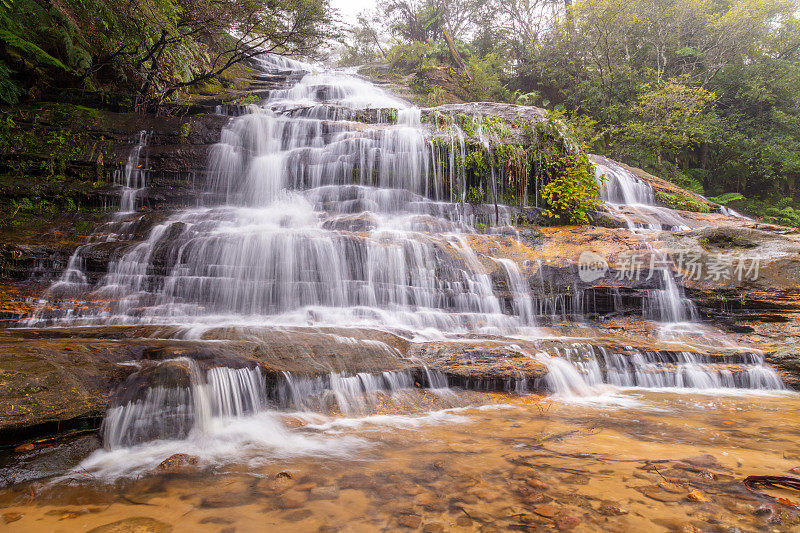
[572,193]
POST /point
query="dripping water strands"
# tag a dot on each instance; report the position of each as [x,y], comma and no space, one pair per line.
[633,199]
[620,190]
[175,410]
[176,399]
[132,178]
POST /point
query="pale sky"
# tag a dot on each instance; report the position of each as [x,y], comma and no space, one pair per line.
[350,8]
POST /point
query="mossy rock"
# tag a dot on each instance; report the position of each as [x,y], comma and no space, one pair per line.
[683,202]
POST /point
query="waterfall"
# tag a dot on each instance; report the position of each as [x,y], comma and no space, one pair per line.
[174,412]
[577,371]
[332,210]
[132,179]
[633,199]
[348,394]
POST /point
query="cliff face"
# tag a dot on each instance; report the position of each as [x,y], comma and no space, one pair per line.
[63,378]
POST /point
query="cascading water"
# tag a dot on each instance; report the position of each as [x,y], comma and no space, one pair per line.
[132,179]
[578,369]
[633,199]
[621,190]
[356,222]
[353,395]
[176,411]
[329,222]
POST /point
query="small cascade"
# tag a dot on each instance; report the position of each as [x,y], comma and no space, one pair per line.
[579,369]
[622,187]
[175,411]
[520,291]
[357,394]
[633,199]
[622,191]
[669,303]
[132,179]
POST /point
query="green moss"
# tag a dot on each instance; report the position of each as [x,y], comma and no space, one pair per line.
[475,195]
[682,201]
[186,129]
[389,114]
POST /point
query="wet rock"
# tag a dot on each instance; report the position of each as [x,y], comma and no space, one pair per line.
[324,493]
[298,515]
[535,497]
[476,513]
[27,447]
[672,487]
[661,495]
[577,479]
[564,523]
[180,463]
[216,520]
[11,517]
[409,520]
[765,509]
[705,460]
[68,514]
[433,527]
[293,499]
[136,524]
[530,518]
[359,223]
[230,499]
[697,496]
[537,484]
[547,510]
[484,366]
[464,521]
[675,524]
[277,485]
[611,509]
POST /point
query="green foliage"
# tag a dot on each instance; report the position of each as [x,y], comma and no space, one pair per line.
[704,94]
[10,89]
[728,197]
[485,82]
[413,57]
[788,216]
[528,98]
[149,48]
[247,99]
[683,202]
[475,195]
[186,129]
[572,194]
[436,96]
[476,164]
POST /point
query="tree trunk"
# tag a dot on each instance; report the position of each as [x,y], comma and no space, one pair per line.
[453,52]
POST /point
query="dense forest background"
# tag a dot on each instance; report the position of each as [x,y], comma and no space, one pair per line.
[705,93]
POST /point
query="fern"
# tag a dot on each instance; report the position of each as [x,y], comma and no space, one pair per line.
[10,91]
[37,54]
[724,199]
